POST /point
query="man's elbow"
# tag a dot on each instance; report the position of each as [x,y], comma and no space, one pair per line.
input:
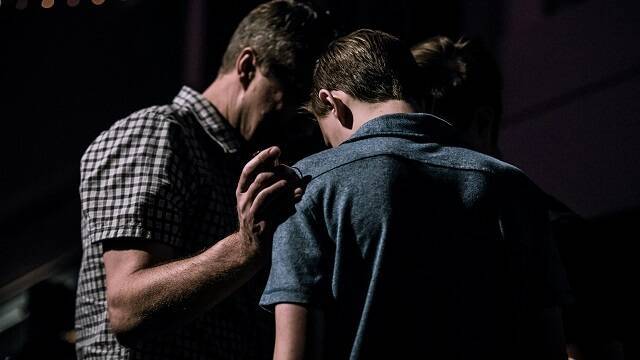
[123,322]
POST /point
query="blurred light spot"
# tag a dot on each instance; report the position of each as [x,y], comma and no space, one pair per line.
[21,4]
[97,2]
[73,3]
[47,4]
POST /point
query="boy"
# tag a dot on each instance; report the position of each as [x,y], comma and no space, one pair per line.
[403,246]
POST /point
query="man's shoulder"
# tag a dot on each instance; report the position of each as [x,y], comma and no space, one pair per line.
[155,132]
[158,121]
[157,117]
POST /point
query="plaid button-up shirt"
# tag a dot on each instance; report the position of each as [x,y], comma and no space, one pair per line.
[165,174]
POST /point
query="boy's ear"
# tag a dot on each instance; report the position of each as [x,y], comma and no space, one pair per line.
[338,108]
[246,66]
[327,99]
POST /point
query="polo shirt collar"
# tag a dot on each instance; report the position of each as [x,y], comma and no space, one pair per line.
[211,119]
[411,125]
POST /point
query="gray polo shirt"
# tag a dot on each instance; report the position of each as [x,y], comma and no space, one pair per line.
[413,247]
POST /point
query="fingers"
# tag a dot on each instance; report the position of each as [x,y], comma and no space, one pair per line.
[293,190]
[288,173]
[262,181]
[268,195]
[263,160]
[275,207]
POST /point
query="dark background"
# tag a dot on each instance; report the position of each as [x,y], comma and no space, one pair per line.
[571,78]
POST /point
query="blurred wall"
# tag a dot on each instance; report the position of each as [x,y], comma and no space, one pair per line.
[572,115]
[66,74]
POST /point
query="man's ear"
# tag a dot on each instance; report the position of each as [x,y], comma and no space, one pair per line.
[338,108]
[246,66]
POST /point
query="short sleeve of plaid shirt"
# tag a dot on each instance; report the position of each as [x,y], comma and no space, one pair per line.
[135,180]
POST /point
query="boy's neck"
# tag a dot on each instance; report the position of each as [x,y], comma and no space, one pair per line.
[363,112]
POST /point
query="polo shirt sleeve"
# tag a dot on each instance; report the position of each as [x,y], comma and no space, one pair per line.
[135,181]
[299,261]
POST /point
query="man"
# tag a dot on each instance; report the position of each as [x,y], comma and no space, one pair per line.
[403,246]
[165,270]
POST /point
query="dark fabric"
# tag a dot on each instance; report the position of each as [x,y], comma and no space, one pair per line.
[414,248]
[165,174]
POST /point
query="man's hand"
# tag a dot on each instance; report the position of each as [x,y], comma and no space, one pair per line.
[266,190]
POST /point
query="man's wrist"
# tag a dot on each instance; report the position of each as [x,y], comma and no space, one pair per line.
[250,244]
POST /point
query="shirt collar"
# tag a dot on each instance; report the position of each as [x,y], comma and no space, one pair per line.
[208,116]
[412,125]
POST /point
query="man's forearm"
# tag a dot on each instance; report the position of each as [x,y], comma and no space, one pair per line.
[156,298]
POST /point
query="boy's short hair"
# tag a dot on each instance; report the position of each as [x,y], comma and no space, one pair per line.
[369,65]
[287,37]
[460,76]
